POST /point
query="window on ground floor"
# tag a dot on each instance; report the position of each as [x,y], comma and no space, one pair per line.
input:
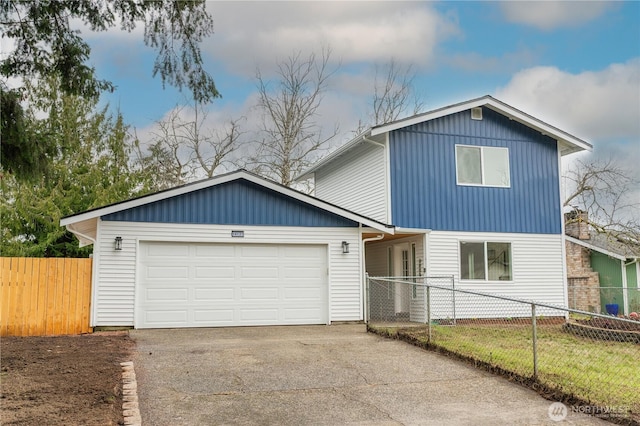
[485,260]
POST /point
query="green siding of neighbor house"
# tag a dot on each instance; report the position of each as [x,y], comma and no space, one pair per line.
[634,291]
[610,272]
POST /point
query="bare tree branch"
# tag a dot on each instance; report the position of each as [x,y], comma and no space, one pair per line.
[291,135]
[394,93]
[214,150]
[183,148]
[611,197]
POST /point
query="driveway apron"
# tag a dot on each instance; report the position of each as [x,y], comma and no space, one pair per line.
[318,375]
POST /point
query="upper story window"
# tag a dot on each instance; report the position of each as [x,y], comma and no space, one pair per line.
[482,166]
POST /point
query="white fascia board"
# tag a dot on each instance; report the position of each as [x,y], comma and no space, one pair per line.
[595,248]
[574,144]
[220,180]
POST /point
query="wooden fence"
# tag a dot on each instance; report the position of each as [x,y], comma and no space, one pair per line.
[43,297]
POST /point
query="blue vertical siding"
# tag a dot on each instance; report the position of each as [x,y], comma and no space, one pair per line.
[238,202]
[424,192]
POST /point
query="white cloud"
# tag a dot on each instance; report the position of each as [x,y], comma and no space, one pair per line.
[597,105]
[476,62]
[247,34]
[602,107]
[549,15]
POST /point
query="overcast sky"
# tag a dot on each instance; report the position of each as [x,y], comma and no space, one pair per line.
[573,64]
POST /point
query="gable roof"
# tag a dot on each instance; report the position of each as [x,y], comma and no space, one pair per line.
[606,245]
[568,143]
[83,224]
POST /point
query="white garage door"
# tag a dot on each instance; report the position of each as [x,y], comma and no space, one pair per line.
[210,285]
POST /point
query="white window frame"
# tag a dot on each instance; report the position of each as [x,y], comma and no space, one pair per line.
[486,260]
[482,163]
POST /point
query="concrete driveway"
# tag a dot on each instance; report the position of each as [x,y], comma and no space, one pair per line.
[318,375]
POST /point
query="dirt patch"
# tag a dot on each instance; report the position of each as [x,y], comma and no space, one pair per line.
[68,380]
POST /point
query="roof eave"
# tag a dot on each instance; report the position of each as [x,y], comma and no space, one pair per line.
[572,143]
[596,248]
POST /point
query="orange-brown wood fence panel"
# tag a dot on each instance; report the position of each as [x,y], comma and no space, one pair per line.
[42,297]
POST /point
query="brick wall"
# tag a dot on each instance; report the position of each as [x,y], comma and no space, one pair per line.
[583,282]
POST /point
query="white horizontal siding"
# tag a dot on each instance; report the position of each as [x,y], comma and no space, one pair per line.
[115,271]
[356,182]
[537,265]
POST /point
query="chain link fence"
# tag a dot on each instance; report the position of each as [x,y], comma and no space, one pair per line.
[589,361]
[606,300]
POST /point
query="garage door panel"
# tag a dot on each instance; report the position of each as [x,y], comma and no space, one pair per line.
[258,252]
[167,294]
[264,272]
[167,272]
[166,318]
[302,293]
[295,315]
[215,251]
[214,294]
[207,316]
[164,250]
[215,272]
[231,284]
[292,252]
[259,316]
[259,293]
[304,272]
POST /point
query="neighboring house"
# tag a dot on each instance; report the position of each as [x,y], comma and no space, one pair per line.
[473,190]
[232,250]
[600,269]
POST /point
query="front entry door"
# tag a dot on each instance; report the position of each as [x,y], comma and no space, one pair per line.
[403,265]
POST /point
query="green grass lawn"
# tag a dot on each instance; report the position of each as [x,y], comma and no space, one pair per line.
[603,373]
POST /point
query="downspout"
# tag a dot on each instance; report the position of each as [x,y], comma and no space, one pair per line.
[364,272]
[563,235]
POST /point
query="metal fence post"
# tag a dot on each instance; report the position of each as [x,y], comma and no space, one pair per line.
[429,313]
[453,296]
[535,340]
[367,297]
